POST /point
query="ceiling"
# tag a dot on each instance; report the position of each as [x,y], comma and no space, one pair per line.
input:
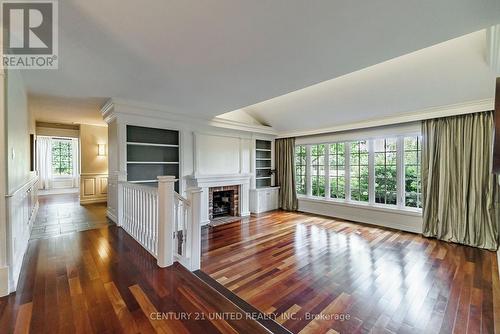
[211,57]
[54,109]
[445,74]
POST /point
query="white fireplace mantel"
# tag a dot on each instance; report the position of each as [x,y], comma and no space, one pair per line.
[207,181]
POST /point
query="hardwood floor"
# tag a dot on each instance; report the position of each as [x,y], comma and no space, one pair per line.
[102,281]
[296,266]
[60,214]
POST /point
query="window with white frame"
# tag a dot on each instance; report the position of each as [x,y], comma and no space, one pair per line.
[337,170]
[62,157]
[300,169]
[385,170]
[359,182]
[412,156]
[381,171]
[318,170]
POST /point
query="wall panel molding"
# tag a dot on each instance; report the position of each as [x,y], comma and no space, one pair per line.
[93,188]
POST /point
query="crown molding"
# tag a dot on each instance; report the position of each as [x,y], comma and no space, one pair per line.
[120,106]
[418,115]
[493,45]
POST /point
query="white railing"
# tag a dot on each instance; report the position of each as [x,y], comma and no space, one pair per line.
[166,224]
[140,214]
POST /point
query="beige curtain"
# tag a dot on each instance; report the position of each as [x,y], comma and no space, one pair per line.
[285,173]
[458,189]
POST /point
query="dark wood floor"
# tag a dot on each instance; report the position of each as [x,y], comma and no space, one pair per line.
[297,265]
[61,214]
[102,281]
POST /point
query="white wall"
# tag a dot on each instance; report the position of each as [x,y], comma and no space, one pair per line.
[205,150]
[19,125]
[17,209]
[217,154]
[392,218]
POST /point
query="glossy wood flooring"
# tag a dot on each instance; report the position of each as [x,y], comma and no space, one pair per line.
[320,275]
[102,281]
[62,213]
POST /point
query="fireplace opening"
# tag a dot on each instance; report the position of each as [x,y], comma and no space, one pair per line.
[223,201]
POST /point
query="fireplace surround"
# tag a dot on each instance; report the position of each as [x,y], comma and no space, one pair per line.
[205,182]
[223,201]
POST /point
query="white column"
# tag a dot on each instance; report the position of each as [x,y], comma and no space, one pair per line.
[165,220]
[194,237]
[120,178]
[244,200]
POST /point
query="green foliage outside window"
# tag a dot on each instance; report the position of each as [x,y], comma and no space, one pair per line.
[385,171]
[359,171]
[300,169]
[62,157]
[318,170]
[337,170]
[385,167]
[412,163]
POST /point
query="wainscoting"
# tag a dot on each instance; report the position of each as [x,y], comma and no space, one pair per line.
[93,188]
[22,206]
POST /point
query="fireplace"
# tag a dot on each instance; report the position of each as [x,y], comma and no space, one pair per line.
[223,201]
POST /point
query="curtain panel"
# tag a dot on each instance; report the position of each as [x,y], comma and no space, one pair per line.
[285,173]
[44,161]
[459,191]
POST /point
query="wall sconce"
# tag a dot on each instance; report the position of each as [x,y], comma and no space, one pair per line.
[101,150]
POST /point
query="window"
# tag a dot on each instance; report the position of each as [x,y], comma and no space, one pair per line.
[62,157]
[337,170]
[385,171]
[359,171]
[318,170]
[412,166]
[300,169]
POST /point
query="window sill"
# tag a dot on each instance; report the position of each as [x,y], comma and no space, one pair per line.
[361,205]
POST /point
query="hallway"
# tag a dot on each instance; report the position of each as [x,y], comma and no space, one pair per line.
[61,214]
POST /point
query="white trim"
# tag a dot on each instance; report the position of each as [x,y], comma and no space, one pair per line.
[150,144]
[111,216]
[493,48]
[416,115]
[364,213]
[365,205]
[400,172]
[93,200]
[161,112]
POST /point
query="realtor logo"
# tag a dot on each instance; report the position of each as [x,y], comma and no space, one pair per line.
[30,34]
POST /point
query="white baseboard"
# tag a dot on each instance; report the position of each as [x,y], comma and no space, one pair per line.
[93,200]
[245,214]
[4,281]
[111,216]
[498,261]
[396,220]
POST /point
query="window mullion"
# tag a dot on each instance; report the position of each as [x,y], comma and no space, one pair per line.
[308,171]
[400,185]
[327,171]
[371,172]
[347,171]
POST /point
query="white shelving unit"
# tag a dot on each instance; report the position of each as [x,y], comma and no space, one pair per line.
[151,152]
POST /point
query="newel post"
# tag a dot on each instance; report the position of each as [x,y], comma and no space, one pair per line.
[194,196]
[165,220]
[120,206]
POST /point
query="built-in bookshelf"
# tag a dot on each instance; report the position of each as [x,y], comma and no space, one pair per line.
[263,163]
[151,152]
